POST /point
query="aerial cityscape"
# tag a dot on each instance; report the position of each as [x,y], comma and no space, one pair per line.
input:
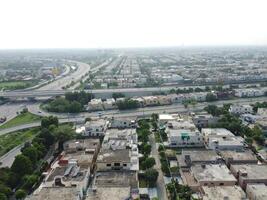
[123,100]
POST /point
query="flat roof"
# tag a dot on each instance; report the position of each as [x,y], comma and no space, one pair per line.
[165,117]
[181,124]
[81,144]
[116,179]
[253,171]
[118,155]
[212,172]
[182,132]
[259,190]
[198,156]
[239,155]
[110,193]
[223,192]
[53,193]
[216,132]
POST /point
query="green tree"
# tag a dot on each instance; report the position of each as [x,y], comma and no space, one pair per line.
[211,97]
[31,153]
[5,190]
[3,196]
[47,121]
[22,165]
[46,137]
[75,107]
[63,134]
[151,176]
[20,194]
[148,163]
[29,181]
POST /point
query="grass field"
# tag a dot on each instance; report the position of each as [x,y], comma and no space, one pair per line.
[13,85]
[11,140]
[24,118]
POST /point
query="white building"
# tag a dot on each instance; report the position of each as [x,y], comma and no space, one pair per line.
[123,122]
[109,104]
[164,100]
[150,101]
[95,104]
[250,92]
[184,138]
[221,139]
[241,109]
[119,151]
[96,127]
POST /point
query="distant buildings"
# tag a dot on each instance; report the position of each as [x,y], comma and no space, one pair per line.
[241,109]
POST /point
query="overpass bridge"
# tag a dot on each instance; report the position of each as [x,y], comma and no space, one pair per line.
[98,93]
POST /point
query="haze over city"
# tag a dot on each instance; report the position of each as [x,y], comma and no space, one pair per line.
[139,23]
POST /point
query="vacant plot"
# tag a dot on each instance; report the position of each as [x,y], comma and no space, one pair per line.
[11,140]
[24,118]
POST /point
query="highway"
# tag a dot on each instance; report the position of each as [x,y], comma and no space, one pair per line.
[82,69]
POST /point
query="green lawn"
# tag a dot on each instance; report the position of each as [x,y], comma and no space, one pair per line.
[11,140]
[24,118]
[13,85]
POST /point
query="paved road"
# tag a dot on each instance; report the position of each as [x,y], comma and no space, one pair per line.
[8,159]
[35,109]
[77,75]
[9,110]
[162,194]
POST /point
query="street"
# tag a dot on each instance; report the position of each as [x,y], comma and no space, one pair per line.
[162,194]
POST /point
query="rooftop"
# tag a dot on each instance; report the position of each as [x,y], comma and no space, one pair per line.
[198,156]
[181,124]
[110,193]
[259,191]
[98,122]
[119,155]
[214,172]
[216,132]
[53,193]
[116,179]
[251,171]
[239,155]
[79,145]
[68,174]
[166,117]
[182,132]
[223,192]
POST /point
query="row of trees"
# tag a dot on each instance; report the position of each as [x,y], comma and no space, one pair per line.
[73,102]
[146,162]
[26,169]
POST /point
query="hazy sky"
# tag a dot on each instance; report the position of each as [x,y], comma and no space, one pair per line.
[131,23]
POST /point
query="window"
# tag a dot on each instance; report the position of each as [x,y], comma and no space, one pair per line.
[124,165]
[221,183]
[108,165]
[117,164]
